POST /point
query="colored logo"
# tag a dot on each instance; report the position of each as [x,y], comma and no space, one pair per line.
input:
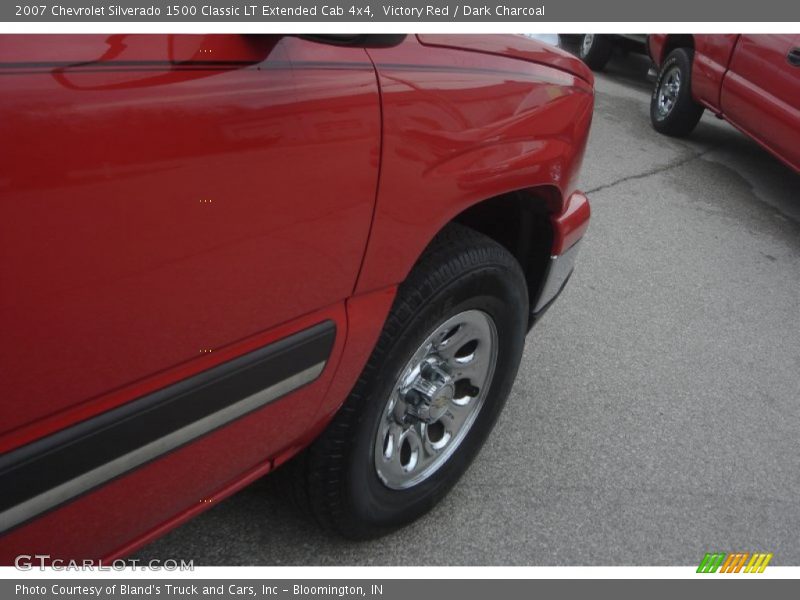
[735,562]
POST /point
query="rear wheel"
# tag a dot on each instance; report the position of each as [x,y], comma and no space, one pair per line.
[596,50]
[673,111]
[429,394]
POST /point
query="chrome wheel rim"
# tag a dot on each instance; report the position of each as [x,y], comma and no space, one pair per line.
[436,399]
[668,91]
[586,44]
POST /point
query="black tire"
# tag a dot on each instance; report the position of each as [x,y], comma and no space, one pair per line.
[336,478]
[684,113]
[596,51]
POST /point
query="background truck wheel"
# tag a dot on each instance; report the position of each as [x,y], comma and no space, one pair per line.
[673,111]
[596,50]
[429,394]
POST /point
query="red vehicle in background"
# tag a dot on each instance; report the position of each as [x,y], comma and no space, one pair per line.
[751,81]
[221,250]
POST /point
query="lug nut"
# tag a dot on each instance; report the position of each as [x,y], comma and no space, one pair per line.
[414,397]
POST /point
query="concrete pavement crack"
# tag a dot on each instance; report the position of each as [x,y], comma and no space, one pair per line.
[656,171]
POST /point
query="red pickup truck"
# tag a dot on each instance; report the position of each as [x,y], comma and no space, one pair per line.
[221,250]
[752,81]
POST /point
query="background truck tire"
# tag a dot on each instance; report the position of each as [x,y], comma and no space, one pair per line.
[338,478]
[596,50]
[673,111]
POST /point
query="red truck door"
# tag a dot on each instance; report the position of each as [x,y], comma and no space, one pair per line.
[165,195]
[761,92]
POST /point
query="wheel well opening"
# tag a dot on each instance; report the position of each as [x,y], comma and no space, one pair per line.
[520,222]
[678,41]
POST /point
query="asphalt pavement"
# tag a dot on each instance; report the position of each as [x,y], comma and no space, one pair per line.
[656,415]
